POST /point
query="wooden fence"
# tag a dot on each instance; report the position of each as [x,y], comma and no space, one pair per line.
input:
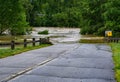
[26,42]
[110,39]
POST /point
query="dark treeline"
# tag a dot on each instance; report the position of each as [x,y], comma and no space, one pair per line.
[12,17]
[101,15]
[56,13]
[92,16]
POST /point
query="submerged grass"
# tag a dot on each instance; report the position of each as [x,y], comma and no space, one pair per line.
[116,58]
[8,52]
[44,32]
[92,40]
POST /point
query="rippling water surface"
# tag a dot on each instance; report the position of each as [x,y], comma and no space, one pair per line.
[57,35]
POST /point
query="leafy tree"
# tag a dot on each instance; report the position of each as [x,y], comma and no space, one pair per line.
[60,19]
[99,16]
[12,17]
[52,12]
[92,17]
[112,16]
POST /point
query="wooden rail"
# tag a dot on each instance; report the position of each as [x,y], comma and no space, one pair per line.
[26,42]
[110,39]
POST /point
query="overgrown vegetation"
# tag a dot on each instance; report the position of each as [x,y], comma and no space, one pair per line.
[116,58]
[56,13]
[101,15]
[92,40]
[44,32]
[92,16]
[12,17]
[8,52]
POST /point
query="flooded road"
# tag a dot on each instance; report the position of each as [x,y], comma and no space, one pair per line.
[59,35]
[65,35]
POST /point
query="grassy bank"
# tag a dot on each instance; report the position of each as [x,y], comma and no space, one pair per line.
[91,41]
[116,58]
[8,52]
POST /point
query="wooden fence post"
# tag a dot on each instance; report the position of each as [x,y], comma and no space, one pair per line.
[117,40]
[48,39]
[40,41]
[25,43]
[12,45]
[33,41]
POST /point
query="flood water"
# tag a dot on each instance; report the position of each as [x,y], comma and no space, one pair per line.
[60,35]
[57,35]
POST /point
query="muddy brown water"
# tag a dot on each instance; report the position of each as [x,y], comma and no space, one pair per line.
[57,35]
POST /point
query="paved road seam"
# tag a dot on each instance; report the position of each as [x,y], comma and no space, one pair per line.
[35,66]
[26,70]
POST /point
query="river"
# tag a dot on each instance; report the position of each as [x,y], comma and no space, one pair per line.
[57,35]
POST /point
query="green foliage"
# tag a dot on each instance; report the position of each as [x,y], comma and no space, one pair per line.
[101,31]
[8,52]
[60,19]
[84,31]
[92,16]
[116,58]
[43,32]
[112,16]
[57,13]
[92,40]
[12,17]
[100,16]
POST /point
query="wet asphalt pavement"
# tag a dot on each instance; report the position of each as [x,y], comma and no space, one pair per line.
[68,63]
[13,66]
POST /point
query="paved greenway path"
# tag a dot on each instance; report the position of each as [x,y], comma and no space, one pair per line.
[60,63]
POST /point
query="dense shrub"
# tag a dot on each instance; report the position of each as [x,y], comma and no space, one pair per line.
[43,32]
